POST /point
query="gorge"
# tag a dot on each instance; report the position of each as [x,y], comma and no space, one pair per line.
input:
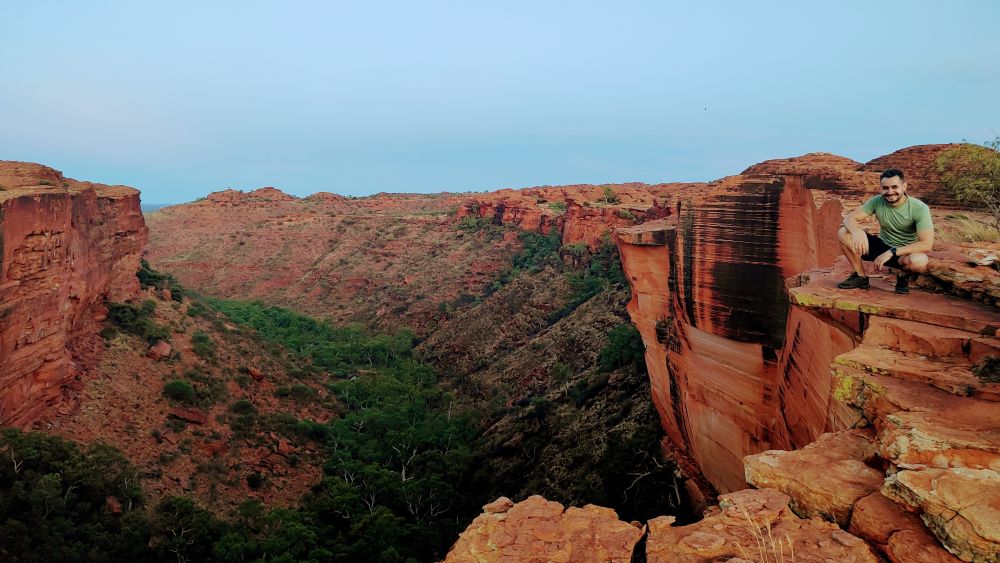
[859,417]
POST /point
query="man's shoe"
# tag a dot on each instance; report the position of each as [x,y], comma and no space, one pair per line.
[854,281]
[902,283]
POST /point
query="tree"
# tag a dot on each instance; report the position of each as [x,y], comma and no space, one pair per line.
[972,173]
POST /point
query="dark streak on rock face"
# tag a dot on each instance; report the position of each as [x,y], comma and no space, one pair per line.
[735,236]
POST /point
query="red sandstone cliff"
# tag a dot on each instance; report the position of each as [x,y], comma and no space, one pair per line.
[65,248]
[858,412]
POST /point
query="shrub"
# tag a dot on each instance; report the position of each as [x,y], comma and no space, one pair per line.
[255,480]
[988,370]
[137,320]
[203,346]
[624,348]
[243,406]
[179,391]
[972,173]
[558,206]
[610,197]
[577,249]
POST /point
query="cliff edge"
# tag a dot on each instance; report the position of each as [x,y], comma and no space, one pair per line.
[66,247]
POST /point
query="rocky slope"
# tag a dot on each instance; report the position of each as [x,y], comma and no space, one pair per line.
[65,248]
[234,440]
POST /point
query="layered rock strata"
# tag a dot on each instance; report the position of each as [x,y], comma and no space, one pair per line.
[65,248]
[931,435]
[582,214]
[709,300]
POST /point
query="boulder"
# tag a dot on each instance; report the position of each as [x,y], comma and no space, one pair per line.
[159,350]
[193,416]
[823,479]
[539,530]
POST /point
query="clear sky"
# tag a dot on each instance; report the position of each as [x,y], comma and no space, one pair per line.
[180,99]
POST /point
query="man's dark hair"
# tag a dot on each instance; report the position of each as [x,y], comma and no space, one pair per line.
[890,172]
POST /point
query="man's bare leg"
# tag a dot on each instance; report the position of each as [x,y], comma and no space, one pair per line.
[847,246]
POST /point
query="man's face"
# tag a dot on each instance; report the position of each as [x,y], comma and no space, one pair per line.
[893,189]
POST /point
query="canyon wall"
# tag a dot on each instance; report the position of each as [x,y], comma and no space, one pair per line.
[868,420]
[709,300]
[65,248]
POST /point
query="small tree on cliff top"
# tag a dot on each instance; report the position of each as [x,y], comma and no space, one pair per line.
[972,173]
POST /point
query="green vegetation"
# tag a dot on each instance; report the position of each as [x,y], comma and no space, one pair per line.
[398,457]
[477,224]
[538,251]
[337,350]
[203,346]
[136,320]
[626,214]
[610,197]
[603,271]
[148,277]
[972,173]
[558,207]
[624,348]
[53,503]
[179,391]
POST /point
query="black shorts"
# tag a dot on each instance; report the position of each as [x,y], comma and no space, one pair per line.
[877,246]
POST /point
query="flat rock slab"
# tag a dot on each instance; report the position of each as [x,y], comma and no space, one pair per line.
[539,530]
[920,425]
[949,374]
[753,525]
[823,479]
[960,506]
[818,288]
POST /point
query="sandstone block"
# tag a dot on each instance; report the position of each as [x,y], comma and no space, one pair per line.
[960,506]
[539,530]
[159,351]
[193,416]
[823,479]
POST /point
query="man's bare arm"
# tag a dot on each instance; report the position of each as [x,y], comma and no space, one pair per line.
[925,243]
[859,239]
[852,219]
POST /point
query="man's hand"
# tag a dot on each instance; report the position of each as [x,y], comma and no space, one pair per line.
[860,240]
[882,259]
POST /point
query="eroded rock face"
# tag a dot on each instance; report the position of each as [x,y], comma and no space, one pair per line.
[583,214]
[540,530]
[753,525]
[709,300]
[65,248]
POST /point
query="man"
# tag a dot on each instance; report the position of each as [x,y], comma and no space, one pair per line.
[906,234]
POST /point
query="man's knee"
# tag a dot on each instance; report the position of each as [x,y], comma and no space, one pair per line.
[843,236]
[916,262]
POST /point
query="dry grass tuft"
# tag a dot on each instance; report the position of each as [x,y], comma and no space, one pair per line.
[960,228]
[766,548]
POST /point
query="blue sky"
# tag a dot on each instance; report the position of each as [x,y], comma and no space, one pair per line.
[180,99]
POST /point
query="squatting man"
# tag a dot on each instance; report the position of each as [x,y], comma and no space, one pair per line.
[906,234]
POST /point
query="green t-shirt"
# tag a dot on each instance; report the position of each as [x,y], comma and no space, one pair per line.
[899,225]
